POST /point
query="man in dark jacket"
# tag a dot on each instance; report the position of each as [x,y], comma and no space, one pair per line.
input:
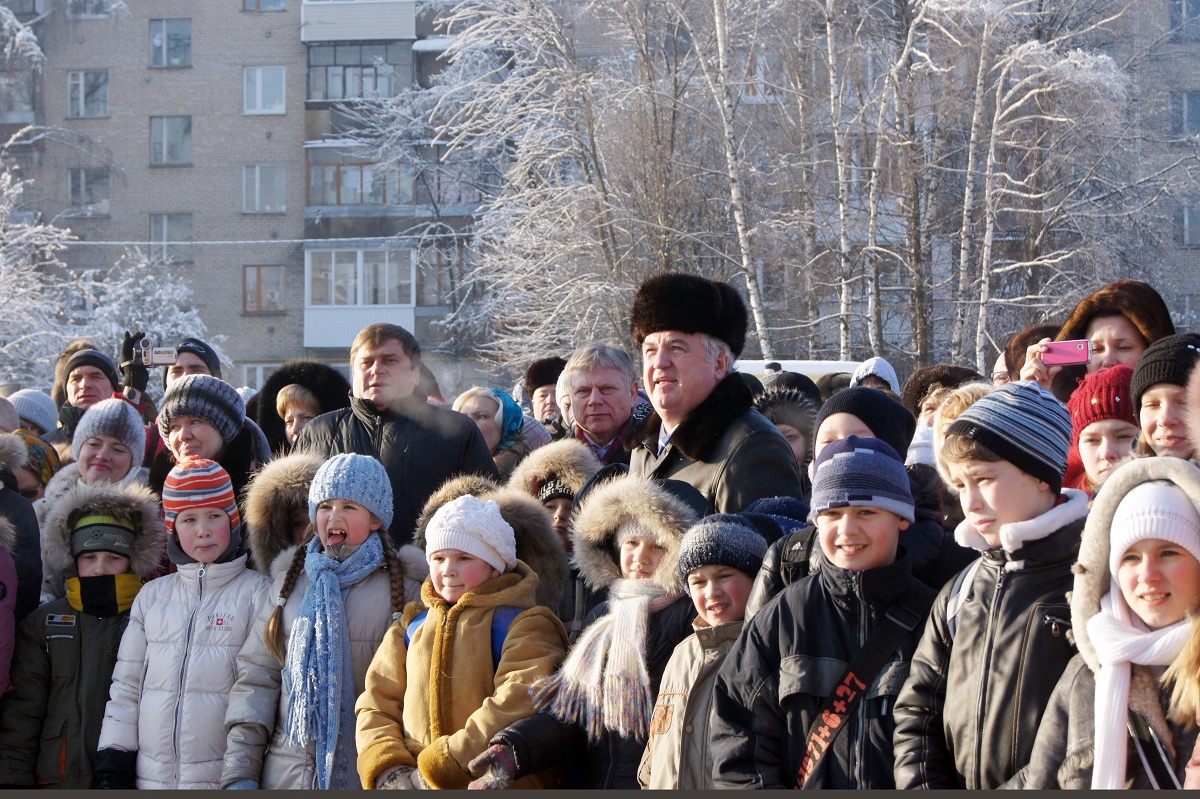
[602,382]
[705,430]
[88,377]
[420,445]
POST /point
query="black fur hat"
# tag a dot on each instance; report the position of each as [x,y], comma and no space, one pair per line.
[543,372]
[689,304]
[330,387]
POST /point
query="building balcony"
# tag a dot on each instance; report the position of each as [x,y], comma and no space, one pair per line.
[357,20]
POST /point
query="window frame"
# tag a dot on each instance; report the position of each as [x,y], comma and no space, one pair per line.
[383,69]
[398,177]
[164,48]
[360,277]
[77,94]
[78,182]
[1185,105]
[1188,225]
[256,207]
[166,246]
[88,14]
[163,122]
[257,271]
[259,83]
[257,5]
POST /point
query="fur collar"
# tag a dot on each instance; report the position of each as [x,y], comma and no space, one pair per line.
[13,452]
[1015,535]
[8,535]
[698,435]
[268,500]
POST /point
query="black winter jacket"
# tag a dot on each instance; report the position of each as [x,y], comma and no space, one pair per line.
[27,551]
[789,658]
[970,708]
[420,445]
[543,742]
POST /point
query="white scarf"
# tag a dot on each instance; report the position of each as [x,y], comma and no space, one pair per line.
[1121,640]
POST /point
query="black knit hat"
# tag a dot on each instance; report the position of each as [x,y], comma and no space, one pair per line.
[203,351]
[788,406]
[554,488]
[689,304]
[888,419]
[794,380]
[206,397]
[97,359]
[1168,360]
[722,539]
[543,372]
[917,387]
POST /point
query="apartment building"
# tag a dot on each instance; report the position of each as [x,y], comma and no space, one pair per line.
[209,133]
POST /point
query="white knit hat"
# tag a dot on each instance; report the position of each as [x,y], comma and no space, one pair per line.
[1155,509]
[476,527]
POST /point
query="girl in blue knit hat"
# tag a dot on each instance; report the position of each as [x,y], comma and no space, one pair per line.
[291,713]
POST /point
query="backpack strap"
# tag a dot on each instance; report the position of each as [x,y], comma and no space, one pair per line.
[905,615]
[502,619]
[959,593]
[413,626]
[797,551]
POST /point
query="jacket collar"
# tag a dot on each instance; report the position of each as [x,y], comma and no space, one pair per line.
[366,411]
[215,574]
[716,637]
[1017,538]
[697,435]
[878,587]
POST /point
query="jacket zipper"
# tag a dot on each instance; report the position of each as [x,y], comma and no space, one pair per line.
[986,670]
[859,744]
[187,651]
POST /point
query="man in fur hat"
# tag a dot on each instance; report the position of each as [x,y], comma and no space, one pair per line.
[705,430]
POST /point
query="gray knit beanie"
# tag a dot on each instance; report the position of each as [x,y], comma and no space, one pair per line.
[112,417]
[861,472]
[36,407]
[206,397]
[722,539]
[357,478]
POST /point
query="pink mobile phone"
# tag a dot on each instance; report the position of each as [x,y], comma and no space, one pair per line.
[1062,353]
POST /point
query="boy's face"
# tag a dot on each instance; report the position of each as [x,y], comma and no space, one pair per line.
[99,564]
[640,556]
[203,533]
[994,494]
[341,522]
[859,538]
[837,426]
[454,573]
[719,593]
[560,512]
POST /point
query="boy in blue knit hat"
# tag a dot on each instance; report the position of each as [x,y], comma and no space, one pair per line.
[805,697]
[995,644]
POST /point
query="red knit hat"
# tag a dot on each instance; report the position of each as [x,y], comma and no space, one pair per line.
[1106,394]
[198,483]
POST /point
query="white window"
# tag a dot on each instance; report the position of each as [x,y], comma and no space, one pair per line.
[171,237]
[263,90]
[263,285]
[263,5]
[360,277]
[1185,18]
[170,140]
[87,8]
[88,190]
[1189,225]
[87,94]
[170,42]
[1185,113]
[263,189]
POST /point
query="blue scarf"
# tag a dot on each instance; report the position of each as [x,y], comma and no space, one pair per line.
[514,419]
[318,670]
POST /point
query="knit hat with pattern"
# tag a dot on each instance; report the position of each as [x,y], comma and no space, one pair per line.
[722,539]
[1025,425]
[112,417]
[1168,360]
[198,483]
[357,478]
[99,533]
[861,472]
[889,420]
[93,358]
[1154,509]
[474,526]
[36,407]
[206,397]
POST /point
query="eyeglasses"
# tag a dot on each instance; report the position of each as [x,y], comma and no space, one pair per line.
[999,378]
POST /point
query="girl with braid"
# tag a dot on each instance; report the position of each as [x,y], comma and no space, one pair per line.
[290,721]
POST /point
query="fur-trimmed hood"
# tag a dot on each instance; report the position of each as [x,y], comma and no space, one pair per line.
[330,387]
[697,436]
[8,535]
[13,452]
[124,501]
[538,545]
[1191,413]
[268,501]
[568,460]
[612,504]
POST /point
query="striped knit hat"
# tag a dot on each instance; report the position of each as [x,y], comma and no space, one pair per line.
[861,472]
[1025,425]
[198,483]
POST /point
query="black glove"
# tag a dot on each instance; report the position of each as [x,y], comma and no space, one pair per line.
[135,373]
[115,770]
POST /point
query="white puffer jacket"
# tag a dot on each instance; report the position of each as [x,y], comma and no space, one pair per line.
[175,669]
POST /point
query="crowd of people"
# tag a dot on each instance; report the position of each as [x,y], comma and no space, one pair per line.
[678,577]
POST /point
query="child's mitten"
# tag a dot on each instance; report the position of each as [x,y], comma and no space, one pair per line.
[498,765]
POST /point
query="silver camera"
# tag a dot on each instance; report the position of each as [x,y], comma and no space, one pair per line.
[145,353]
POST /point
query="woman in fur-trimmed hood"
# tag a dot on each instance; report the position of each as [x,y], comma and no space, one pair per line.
[627,538]
[1107,722]
[538,546]
[276,506]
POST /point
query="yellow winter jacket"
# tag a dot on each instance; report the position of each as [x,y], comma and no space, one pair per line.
[436,704]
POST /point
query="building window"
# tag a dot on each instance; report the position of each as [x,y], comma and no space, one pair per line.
[170,42]
[263,90]
[1185,18]
[87,94]
[263,289]
[87,8]
[338,178]
[263,189]
[170,141]
[263,5]
[1187,225]
[16,95]
[1185,113]
[88,190]
[171,237]
[347,71]
[360,277]
[763,79]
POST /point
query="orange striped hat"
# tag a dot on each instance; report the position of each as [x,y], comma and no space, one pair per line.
[198,483]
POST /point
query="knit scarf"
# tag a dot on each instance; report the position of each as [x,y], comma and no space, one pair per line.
[604,684]
[318,671]
[105,595]
[1121,641]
